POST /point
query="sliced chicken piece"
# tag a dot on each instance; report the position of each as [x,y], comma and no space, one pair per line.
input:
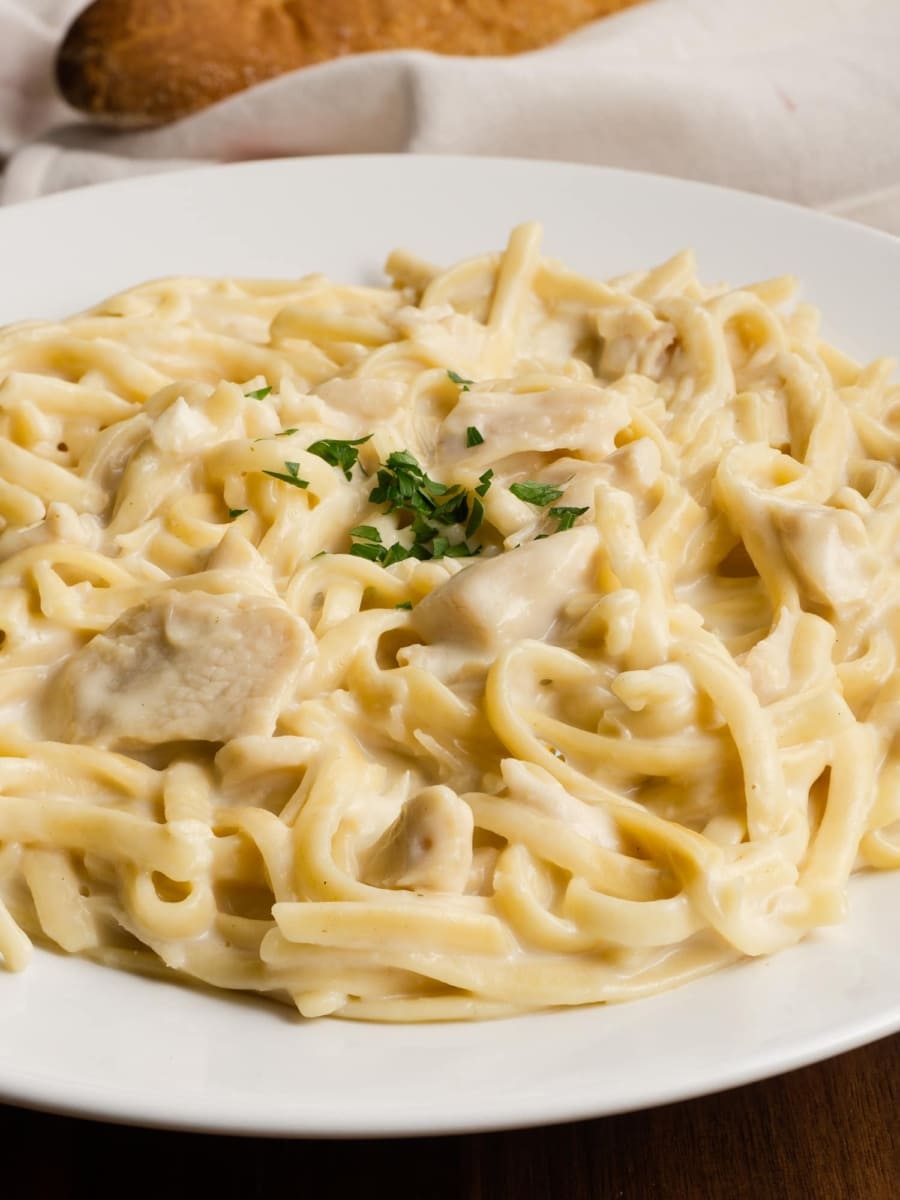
[519,594]
[183,666]
[580,417]
[829,550]
[633,339]
[428,847]
[366,399]
[825,553]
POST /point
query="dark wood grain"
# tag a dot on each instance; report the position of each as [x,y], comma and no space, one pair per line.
[829,1132]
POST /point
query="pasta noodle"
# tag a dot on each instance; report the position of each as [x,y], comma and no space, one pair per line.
[494,640]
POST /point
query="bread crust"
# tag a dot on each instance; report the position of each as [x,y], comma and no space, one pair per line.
[151,61]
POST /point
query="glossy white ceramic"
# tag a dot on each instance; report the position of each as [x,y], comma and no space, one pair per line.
[78,1038]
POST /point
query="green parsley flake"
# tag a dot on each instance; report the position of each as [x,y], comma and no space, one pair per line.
[407,604]
[474,437]
[396,553]
[286,433]
[566,516]
[453,511]
[370,546]
[337,453]
[465,384]
[484,482]
[368,550]
[368,533]
[259,394]
[234,513]
[539,494]
[289,475]
[476,516]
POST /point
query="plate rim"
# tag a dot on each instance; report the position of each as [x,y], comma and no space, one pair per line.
[198,170]
[148,1116]
[37,1093]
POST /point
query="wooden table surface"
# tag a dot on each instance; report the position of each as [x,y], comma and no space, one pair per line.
[828,1132]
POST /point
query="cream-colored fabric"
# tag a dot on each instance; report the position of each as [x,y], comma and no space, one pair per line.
[30,31]
[496,640]
[791,98]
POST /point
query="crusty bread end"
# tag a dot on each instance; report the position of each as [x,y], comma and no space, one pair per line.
[144,62]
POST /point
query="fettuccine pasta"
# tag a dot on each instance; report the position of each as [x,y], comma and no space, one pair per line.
[494,640]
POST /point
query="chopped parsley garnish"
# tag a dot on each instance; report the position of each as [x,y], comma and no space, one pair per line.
[286,433]
[453,549]
[290,474]
[566,516]
[441,515]
[454,510]
[398,552]
[484,482]
[368,533]
[258,394]
[460,382]
[234,513]
[476,516]
[540,494]
[407,604]
[403,484]
[337,453]
[370,546]
[369,550]
[395,553]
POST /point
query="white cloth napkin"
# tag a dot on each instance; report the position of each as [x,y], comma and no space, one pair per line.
[793,98]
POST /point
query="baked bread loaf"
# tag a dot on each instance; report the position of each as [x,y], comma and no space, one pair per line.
[144,62]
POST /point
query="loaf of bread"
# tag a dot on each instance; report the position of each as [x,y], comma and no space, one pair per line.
[144,62]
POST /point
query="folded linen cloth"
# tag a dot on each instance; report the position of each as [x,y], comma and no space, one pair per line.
[792,98]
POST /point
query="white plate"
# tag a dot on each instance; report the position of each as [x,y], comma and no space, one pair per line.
[78,1038]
